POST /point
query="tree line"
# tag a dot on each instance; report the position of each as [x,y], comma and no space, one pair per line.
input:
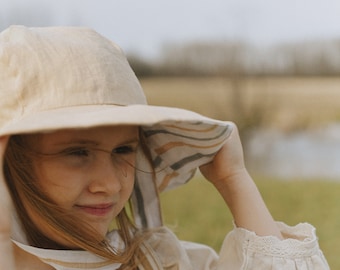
[209,58]
[232,58]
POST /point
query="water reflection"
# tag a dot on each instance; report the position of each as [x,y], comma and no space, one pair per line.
[312,154]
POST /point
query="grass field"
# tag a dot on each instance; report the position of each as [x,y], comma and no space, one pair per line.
[284,103]
[206,219]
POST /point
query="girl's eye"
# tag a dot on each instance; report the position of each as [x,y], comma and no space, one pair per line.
[123,150]
[79,152]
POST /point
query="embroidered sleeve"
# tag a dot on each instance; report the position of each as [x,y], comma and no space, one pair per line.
[243,249]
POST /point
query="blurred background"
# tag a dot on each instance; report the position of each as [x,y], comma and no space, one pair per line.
[271,66]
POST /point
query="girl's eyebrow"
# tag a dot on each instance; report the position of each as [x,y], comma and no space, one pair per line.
[129,141]
[95,143]
[78,141]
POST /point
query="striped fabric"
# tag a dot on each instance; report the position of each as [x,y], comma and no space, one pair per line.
[178,148]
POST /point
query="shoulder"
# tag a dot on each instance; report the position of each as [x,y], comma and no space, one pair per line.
[169,250]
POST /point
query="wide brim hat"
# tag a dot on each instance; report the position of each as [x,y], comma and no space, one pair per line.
[70,77]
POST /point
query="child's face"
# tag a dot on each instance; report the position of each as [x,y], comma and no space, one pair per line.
[87,171]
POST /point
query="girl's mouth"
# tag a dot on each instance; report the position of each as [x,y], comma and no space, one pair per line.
[99,210]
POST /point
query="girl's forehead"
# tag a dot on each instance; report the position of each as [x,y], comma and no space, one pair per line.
[97,135]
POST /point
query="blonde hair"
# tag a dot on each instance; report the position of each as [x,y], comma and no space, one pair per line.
[20,179]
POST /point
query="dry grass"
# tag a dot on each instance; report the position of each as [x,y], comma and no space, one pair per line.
[286,103]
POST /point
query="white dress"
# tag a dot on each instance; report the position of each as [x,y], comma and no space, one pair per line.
[241,249]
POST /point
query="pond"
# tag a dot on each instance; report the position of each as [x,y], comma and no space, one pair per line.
[309,154]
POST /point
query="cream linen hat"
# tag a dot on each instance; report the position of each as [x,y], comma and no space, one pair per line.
[70,77]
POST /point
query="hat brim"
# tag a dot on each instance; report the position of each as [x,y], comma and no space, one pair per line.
[87,116]
[176,137]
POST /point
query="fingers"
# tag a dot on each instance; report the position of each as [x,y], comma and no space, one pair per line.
[227,161]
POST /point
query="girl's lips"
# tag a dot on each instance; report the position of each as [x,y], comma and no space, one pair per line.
[96,210]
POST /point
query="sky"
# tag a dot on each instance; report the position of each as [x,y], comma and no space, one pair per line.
[145,26]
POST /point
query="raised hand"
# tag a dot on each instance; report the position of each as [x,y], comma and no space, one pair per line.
[227,172]
[227,163]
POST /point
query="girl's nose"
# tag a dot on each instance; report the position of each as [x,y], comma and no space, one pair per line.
[107,177]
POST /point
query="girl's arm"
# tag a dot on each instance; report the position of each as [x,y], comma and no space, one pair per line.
[228,174]
[6,246]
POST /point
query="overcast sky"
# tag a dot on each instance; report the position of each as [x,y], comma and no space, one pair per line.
[143,26]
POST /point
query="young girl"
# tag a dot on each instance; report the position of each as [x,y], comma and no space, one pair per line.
[79,145]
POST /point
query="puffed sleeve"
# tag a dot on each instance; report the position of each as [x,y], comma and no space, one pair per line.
[241,250]
[299,250]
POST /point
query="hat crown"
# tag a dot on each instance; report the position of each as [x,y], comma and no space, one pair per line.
[54,67]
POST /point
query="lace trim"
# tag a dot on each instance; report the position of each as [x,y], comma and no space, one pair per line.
[302,242]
